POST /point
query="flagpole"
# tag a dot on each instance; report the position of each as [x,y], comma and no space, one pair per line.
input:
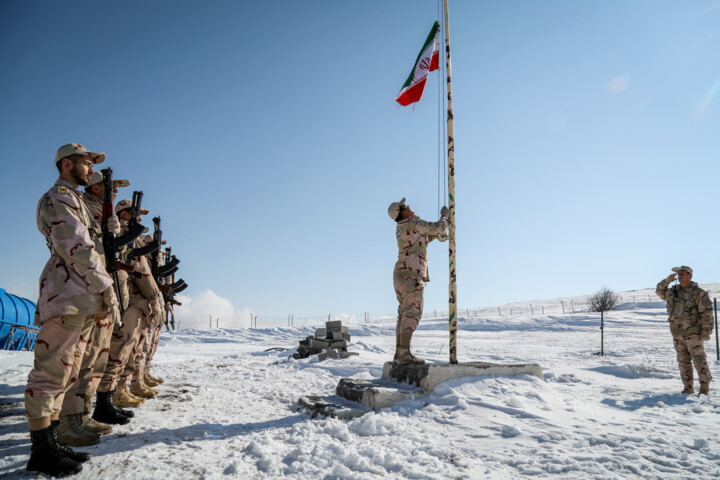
[452,311]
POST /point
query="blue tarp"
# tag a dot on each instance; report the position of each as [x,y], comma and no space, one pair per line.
[16,318]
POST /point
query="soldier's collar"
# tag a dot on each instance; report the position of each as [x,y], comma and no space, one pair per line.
[92,197]
[64,183]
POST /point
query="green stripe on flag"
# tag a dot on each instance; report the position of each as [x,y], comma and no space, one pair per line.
[428,41]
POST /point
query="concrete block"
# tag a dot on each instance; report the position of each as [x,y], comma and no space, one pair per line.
[336,325]
[338,344]
[430,375]
[346,354]
[346,337]
[376,394]
[320,344]
[329,353]
[335,335]
[320,333]
[332,406]
[344,329]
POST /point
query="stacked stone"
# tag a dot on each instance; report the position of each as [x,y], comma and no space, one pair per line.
[328,342]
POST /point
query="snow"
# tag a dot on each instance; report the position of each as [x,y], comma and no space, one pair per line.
[226,409]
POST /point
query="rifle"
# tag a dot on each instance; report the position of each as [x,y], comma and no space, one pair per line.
[168,291]
[134,228]
[111,244]
[135,210]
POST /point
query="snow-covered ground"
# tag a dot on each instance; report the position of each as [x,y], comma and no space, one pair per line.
[226,408]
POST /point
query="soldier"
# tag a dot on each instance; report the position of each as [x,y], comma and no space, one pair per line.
[155,330]
[411,273]
[135,367]
[691,323]
[74,287]
[143,300]
[76,426]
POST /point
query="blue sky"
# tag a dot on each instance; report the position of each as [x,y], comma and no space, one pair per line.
[267,137]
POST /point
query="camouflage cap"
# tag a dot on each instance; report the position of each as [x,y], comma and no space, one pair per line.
[394,208]
[97,178]
[77,148]
[122,205]
[127,203]
[682,267]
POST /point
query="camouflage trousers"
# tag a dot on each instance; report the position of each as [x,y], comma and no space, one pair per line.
[59,351]
[690,350]
[79,398]
[122,344]
[137,358]
[410,294]
[152,343]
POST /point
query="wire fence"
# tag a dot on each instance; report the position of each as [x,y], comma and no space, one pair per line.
[561,306]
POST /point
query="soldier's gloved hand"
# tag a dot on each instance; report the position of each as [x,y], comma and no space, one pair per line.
[671,278]
[156,308]
[705,335]
[111,303]
[113,225]
[445,212]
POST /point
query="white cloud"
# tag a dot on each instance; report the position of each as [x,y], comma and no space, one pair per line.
[204,304]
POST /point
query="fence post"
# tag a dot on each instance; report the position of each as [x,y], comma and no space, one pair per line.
[717,342]
[210,319]
[563,305]
[602,333]
[531,310]
[499,312]
[217,322]
[543,309]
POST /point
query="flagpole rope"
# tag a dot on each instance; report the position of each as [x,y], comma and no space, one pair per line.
[441,135]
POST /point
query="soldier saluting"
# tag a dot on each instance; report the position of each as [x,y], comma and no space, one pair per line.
[691,322]
[410,274]
[74,287]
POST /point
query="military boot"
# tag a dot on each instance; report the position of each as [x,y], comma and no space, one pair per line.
[688,388]
[71,432]
[133,396]
[122,399]
[705,388]
[105,411]
[139,388]
[122,411]
[404,356]
[92,425]
[151,381]
[79,457]
[46,457]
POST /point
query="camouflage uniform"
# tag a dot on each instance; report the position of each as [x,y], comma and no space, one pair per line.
[135,367]
[71,287]
[79,397]
[125,338]
[411,271]
[690,313]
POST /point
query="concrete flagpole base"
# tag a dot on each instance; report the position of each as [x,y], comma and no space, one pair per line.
[354,398]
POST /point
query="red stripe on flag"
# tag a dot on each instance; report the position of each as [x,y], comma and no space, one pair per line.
[412,94]
[435,61]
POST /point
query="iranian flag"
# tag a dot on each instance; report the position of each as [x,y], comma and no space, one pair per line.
[427,61]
